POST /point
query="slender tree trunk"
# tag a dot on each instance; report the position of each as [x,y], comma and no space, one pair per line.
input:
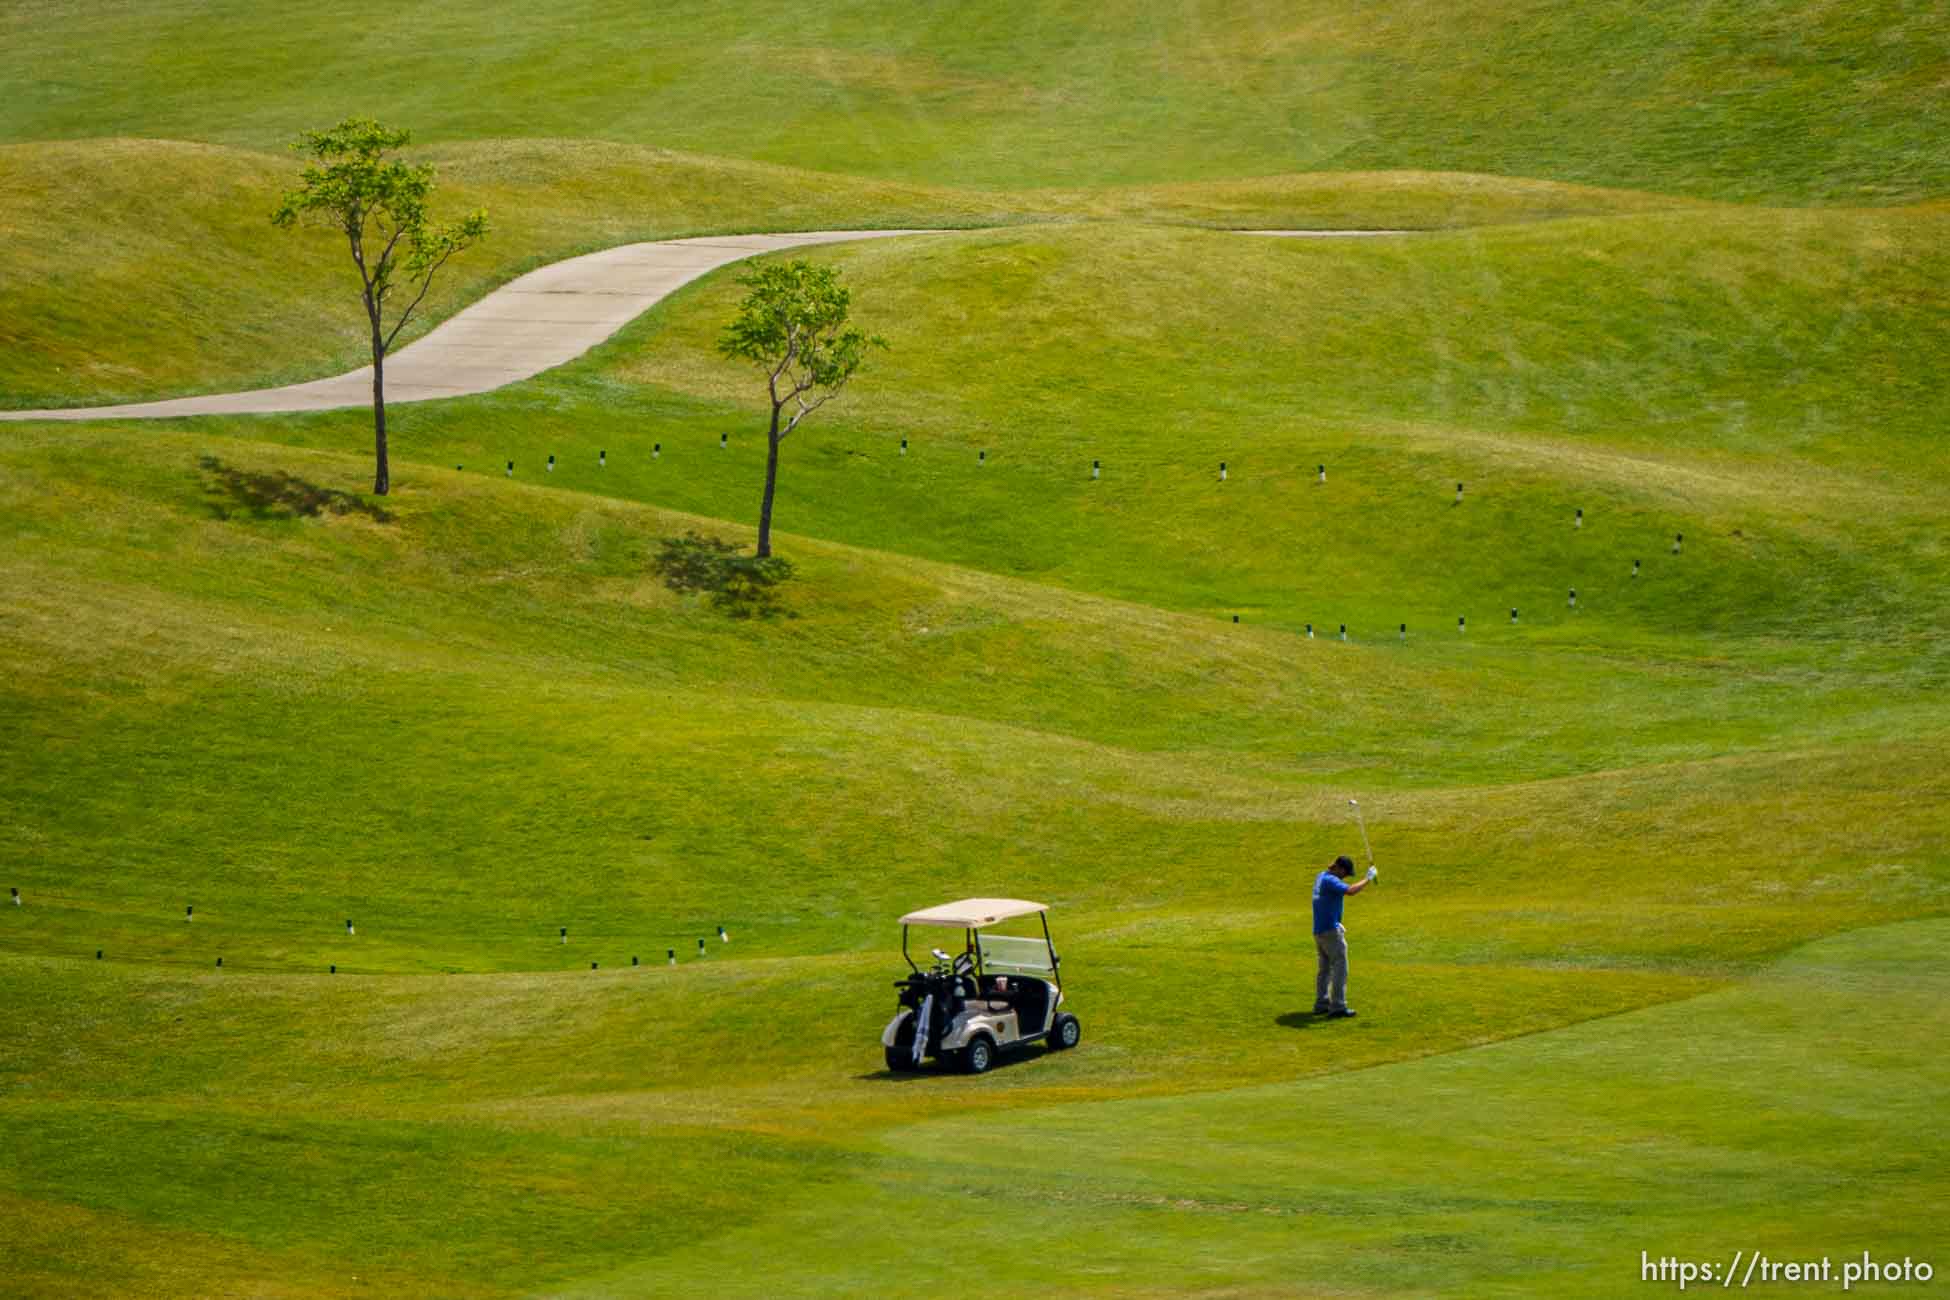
[382,479]
[771,483]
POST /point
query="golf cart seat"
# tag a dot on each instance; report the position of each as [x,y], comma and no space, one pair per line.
[1028,998]
[1031,1000]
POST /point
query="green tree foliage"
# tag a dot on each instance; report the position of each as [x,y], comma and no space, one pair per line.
[379,203]
[793,326]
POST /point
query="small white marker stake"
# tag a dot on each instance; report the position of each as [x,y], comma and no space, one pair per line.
[1323,474]
[1513,615]
[1310,631]
[656,451]
[189,913]
[700,947]
[1462,623]
[1343,631]
[982,457]
[1404,632]
[1574,598]
[1096,469]
[1678,540]
[1458,494]
[565,934]
[1635,568]
[903,446]
[672,953]
[724,441]
[1579,521]
[1222,471]
[16,897]
[722,936]
[511,469]
[602,459]
[551,462]
[348,926]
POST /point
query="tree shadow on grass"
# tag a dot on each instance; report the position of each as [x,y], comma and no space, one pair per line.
[278,495]
[742,586]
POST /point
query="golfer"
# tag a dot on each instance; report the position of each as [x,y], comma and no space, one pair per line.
[1330,937]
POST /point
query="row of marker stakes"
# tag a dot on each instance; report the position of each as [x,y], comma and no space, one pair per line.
[981,458]
[1096,472]
[189,915]
[1462,621]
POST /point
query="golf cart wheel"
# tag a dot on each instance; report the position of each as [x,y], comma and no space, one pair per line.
[978,1056]
[1066,1032]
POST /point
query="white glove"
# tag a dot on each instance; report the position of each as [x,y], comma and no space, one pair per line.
[1372,873]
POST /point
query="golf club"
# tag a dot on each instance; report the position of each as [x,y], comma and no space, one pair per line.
[1363,824]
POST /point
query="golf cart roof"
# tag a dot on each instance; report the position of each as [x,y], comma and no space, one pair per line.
[972,912]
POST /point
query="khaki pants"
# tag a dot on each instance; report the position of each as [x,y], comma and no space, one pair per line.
[1330,982]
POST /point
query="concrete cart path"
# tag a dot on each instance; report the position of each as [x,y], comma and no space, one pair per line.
[529,325]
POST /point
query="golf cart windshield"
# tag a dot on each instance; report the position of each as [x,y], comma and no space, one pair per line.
[1008,953]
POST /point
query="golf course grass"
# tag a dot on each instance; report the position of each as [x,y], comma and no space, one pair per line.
[372,852]
[1736,99]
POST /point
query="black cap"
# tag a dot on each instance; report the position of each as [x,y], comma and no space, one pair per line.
[1343,866]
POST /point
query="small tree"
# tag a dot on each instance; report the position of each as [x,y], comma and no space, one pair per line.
[793,326]
[380,205]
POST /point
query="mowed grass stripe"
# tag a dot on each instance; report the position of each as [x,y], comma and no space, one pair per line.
[1754,1118]
[1225,1187]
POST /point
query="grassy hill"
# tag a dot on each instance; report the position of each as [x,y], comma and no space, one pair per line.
[1783,100]
[1572,365]
[1657,960]
[477,721]
[140,268]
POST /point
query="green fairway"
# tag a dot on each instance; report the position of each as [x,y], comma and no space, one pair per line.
[372,852]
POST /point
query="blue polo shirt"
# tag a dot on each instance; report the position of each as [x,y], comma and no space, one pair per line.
[1329,894]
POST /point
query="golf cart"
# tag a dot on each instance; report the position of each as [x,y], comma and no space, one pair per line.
[998,992]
